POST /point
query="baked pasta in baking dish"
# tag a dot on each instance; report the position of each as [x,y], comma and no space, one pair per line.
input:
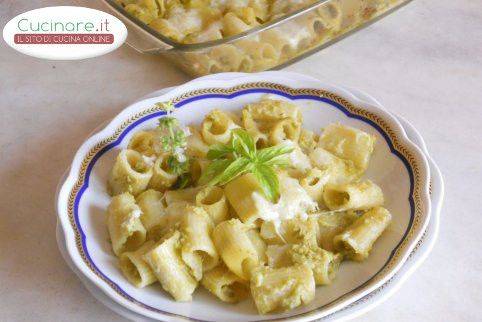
[197,21]
[203,21]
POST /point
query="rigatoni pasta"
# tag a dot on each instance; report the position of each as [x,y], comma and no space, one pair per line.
[323,263]
[236,248]
[348,143]
[143,142]
[331,224]
[225,285]
[153,207]
[130,173]
[252,204]
[135,269]
[214,202]
[173,274]
[353,196]
[358,239]
[197,250]
[161,178]
[216,127]
[282,289]
[240,195]
[124,224]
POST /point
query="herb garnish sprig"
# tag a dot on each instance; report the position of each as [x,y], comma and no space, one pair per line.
[173,141]
[240,156]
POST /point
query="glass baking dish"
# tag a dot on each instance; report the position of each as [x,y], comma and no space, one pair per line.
[272,45]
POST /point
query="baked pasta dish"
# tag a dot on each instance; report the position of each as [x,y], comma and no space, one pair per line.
[201,21]
[245,205]
[195,21]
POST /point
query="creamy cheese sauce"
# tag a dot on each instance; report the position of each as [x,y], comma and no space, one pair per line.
[294,202]
[298,159]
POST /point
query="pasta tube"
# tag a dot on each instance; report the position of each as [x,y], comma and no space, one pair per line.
[197,167]
[339,170]
[357,240]
[259,118]
[140,12]
[313,182]
[331,225]
[348,143]
[258,244]
[272,110]
[228,56]
[291,231]
[153,207]
[196,146]
[161,179]
[286,129]
[278,256]
[280,41]
[166,263]
[235,247]
[263,54]
[282,289]
[254,129]
[232,25]
[143,142]
[123,222]
[216,127]
[135,269]
[308,141]
[355,196]
[213,201]
[187,195]
[323,263]
[301,231]
[225,285]
[130,173]
[197,249]
[331,13]
[240,195]
[173,216]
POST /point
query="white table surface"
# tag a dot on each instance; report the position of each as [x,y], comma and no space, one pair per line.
[423,63]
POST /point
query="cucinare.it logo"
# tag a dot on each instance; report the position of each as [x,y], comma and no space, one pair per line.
[65,33]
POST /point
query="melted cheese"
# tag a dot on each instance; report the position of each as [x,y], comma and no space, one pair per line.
[298,159]
[294,202]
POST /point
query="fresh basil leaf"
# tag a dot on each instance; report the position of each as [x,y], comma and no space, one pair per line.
[281,161]
[243,143]
[218,151]
[272,152]
[214,169]
[236,168]
[268,181]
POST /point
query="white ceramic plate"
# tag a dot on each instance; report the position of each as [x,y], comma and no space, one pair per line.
[368,302]
[83,199]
